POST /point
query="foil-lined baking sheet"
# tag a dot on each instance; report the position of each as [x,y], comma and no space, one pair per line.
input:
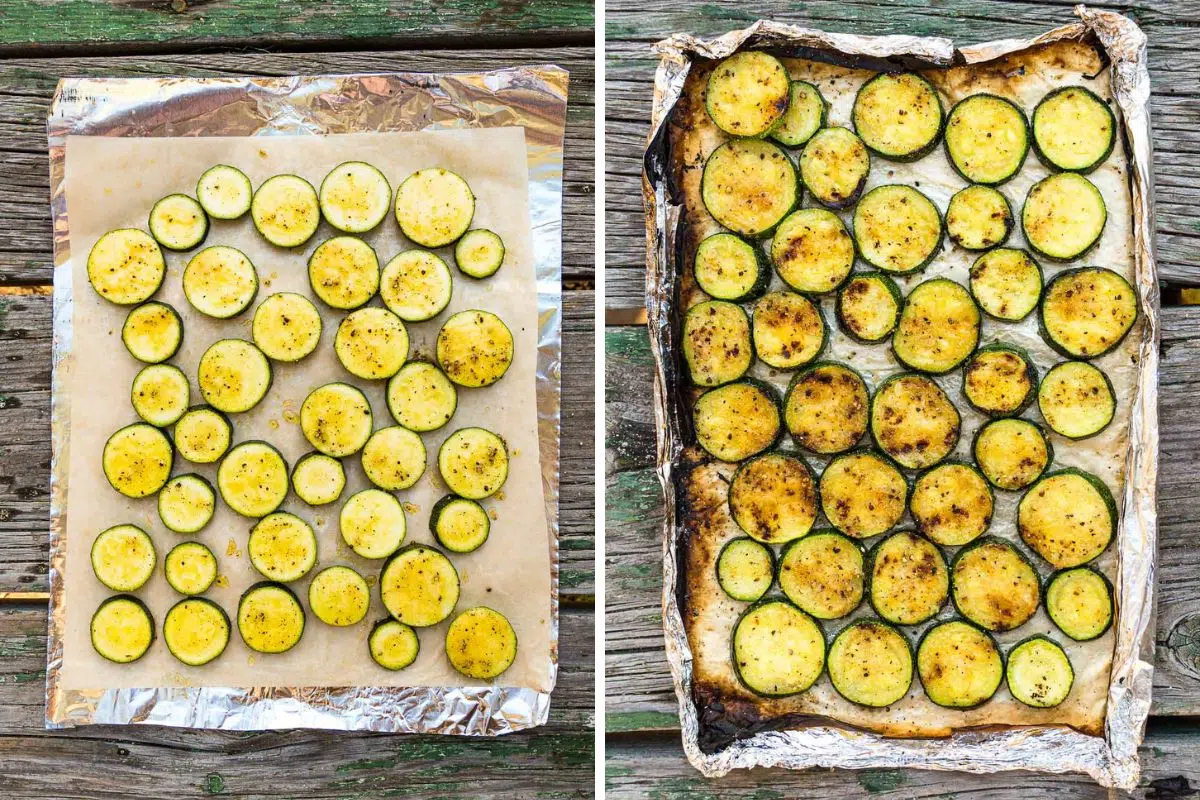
[1110,759]
[532,98]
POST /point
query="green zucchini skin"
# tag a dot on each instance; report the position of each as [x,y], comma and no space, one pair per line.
[1111,339]
[959,119]
[749,265]
[859,288]
[1088,573]
[1009,608]
[788,330]
[717,344]
[748,94]
[840,388]
[126,266]
[429,190]
[793,129]
[1039,227]
[1015,424]
[843,586]
[479,253]
[1035,538]
[887,563]
[1042,119]
[169,517]
[889,409]
[974,367]
[999,302]
[714,423]
[937,309]
[927,103]
[744,553]
[724,186]
[1017,653]
[983,638]
[840,678]
[1101,390]
[152,354]
[812,637]
[285,224]
[245,505]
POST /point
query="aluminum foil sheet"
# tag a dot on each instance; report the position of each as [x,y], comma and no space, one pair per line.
[1112,759]
[533,97]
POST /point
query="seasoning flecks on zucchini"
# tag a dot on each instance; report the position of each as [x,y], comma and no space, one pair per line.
[137,460]
[190,568]
[749,186]
[1039,674]
[123,558]
[1076,399]
[978,217]
[909,581]
[1063,216]
[393,645]
[834,166]
[177,222]
[187,503]
[481,643]
[421,397]
[152,332]
[416,285]
[862,494]
[727,267]
[459,525]
[778,650]
[234,375]
[224,192]
[994,585]
[373,524]
[393,458]
[1006,283]
[716,342]
[898,116]
[344,272]
[286,327]
[824,574]
[1012,453]
[748,93]
[1080,602]
[479,253]
[355,197]
[952,503]
[773,498]
[1073,130]
[826,408]
[788,330]
[282,547]
[812,251]
[122,629]
[805,115]
[913,421]
[203,434]
[1087,312]
[897,229]
[160,394]
[868,307]
[434,207]
[285,210]
[745,569]
[126,266]
[871,663]
[270,618]
[960,665]
[253,479]
[371,343]
[474,348]
[1000,380]
[339,596]
[987,138]
[473,462]
[196,631]
[419,586]
[939,327]
[318,479]
[336,419]
[1068,518]
[738,420]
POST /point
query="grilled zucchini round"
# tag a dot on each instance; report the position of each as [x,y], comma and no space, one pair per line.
[1087,312]
[716,342]
[1068,518]
[727,267]
[373,524]
[336,419]
[1076,399]
[1039,673]
[898,116]
[824,574]
[773,498]
[416,285]
[1073,130]
[234,376]
[1080,602]
[826,408]
[126,266]
[1000,380]
[909,582]
[749,186]
[474,348]
[897,229]
[1012,453]
[994,585]
[862,494]
[834,166]
[160,394]
[748,93]
[371,343]
[203,434]
[481,643]
[419,586]
[196,631]
[960,665]
[339,596]
[812,251]
[152,332]
[282,547]
[978,217]
[286,327]
[939,327]
[1006,283]
[745,569]
[805,115]
[1063,216]
[122,629]
[285,210]
[123,558]
[253,479]
[868,307]
[434,207]
[473,462]
[344,272]
[270,618]
[738,420]
[871,663]
[778,650]
[987,139]
[137,460]
[913,421]
[788,331]
[952,503]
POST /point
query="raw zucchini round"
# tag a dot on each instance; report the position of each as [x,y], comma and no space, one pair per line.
[336,419]
[789,330]
[987,138]
[196,631]
[1039,674]
[868,307]
[913,421]
[1063,216]
[160,394]
[339,596]
[479,253]
[203,434]
[826,408]
[459,525]
[190,568]
[1068,518]
[1080,602]
[355,197]
[285,210]
[939,327]
[1011,453]
[749,186]
[863,494]
[123,558]
[234,375]
[1073,130]
[898,116]
[812,251]
[897,229]
[224,192]
[909,581]
[805,115]
[318,479]
[834,166]
[1000,380]
[253,479]
[416,285]
[473,462]
[393,644]
[152,332]
[730,268]
[282,547]
[952,503]
[716,341]
[778,650]
[745,569]
[344,272]
[1087,312]
[126,266]
[474,348]
[773,498]
[824,574]
[137,460]
[286,327]
[393,458]
[738,420]
[187,503]
[177,222]
[1076,399]
[371,343]
[978,217]
[1006,283]
[994,585]
[481,643]
[419,586]
[959,664]
[871,663]
[373,523]
[122,629]
[270,618]
[434,207]
[748,93]
[421,397]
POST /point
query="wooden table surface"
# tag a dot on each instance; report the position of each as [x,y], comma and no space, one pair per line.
[42,41]
[643,754]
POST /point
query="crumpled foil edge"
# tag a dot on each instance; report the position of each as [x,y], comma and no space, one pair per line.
[1111,760]
[534,97]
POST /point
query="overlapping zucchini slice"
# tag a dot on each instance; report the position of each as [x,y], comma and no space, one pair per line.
[1063,216]
[459,525]
[371,343]
[805,115]
[177,222]
[939,327]
[1076,399]
[419,586]
[959,664]
[1068,517]
[826,408]
[318,479]
[812,251]
[745,569]
[339,596]
[913,421]
[434,207]
[778,650]
[270,618]
[898,116]
[137,460]
[716,342]
[126,266]
[987,139]
[224,192]
[253,479]
[1039,674]
[479,253]
[474,348]
[994,585]
[152,332]
[122,629]
[1006,283]
[1087,312]
[282,547]
[234,375]
[123,558]
[203,434]
[773,498]
[286,327]
[834,166]
[336,419]
[1012,453]
[868,307]
[862,494]
[285,210]
[416,285]
[393,458]
[1079,601]
[1000,380]
[978,217]
[354,197]
[897,229]
[727,267]
[824,574]
[952,503]
[788,330]
[909,581]
[871,663]
[1073,130]
[421,397]
[393,645]
[481,643]
[344,272]
[373,524]
[196,631]
[187,503]
[749,186]
[473,462]
[748,93]
[160,394]
[738,420]
[190,568]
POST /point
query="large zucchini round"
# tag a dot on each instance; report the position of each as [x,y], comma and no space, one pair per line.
[1073,130]
[344,272]
[481,643]
[419,586]
[336,419]
[1087,312]
[160,394]
[826,408]
[123,558]
[394,458]
[474,348]
[898,116]
[749,186]
[421,397]
[773,497]
[196,631]
[286,326]
[748,93]
[994,585]
[862,494]
[282,547]
[270,618]
[812,251]
[1006,283]
[939,327]
[152,332]
[137,460]
[959,664]
[1076,399]
[234,376]
[1000,380]
[473,462]
[868,307]
[897,229]
[778,650]
[871,663]
[716,342]
[913,421]
[908,579]
[1068,517]
[788,330]
[987,138]
[253,479]
[745,569]
[355,197]
[978,217]
[434,207]
[1012,453]
[952,503]
[203,434]
[285,210]
[416,285]
[126,266]
[373,524]
[824,574]
[727,267]
[122,629]
[371,343]
[1063,216]
[220,282]
[339,596]
[1039,673]
[738,420]
[834,166]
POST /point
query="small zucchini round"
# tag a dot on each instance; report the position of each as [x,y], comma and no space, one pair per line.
[939,327]
[812,251]
[473,462]
[434,207]
[748,93]
[137,460]
[778,650]
[1087,312]
[899,116]
[834,166]
[152,332]
[1073,130]
[987,139]
[1079,602]
[234,375]
[728,267]
[1068,518]
[871,663]
[160,394]
[1063,216]
[373,524]
[1006,283]
[394,458]
[1076,399]
[1011,453]
[270,618]
[862,494]
[177,222]
[224,192]
[287,326]
[122,629]
[196,631]
[126,266]
[824,574]
[344,272]
[978,217]
[190,568]
[416,285]
[1039,674]
[371,343]
[282,547]
[203,434]
[745,569]
[897,229]
[419,586]
[994,585]
[318,479]
[479,253]
[773,497]
[339,596]
[336,419]
[952,503]
[481,643]
[805,115]
[354,197]
[253,479]
[187,503]
[868,307]
[913,421]
[738,420]
[959,664]
[285,210]
[421,397]
[826,408]
[123,558]
[716,343]
[788,330]
[908,578]
[474,348]
[459,525]
[1000,380]
[393,645]
[749,186]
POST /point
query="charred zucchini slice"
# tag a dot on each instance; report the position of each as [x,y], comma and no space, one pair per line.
[812,251]
[203,434]
[913,421]
[137,460]
[1087,312]
[1073,130]
[1000,380]
[270,618]
[234,375]
[355,197]
[716,342]
[909,581]
[1039,674]
[177,222]
[419,586]
[187,503]
[834,167]
[286,327]
[126,266]
[196,631]
[868,307]
[282,547]
[978,217]
[160,394]
[1080,602]
[393,644]
[318,479]
[939,327]
[778,650]
[473,462]
[474,348]
[898,116]
[479,253]
[336,419]
[393,458]
[285,210]
[253,479]
[459,525]
[749,186]
[789,330]
[224,192]
[421,397]
[1012,453]
[481,643]
[805,115]
[745,569]
[152,332]
[416,285]
[994,585]
[960,665]
[372,522]
[826,408]
[123,558]
[738,420]
[952,503]
[863,494]
[1069,517]
[434,207]
[824,574]
[871,663]
[773,498]
[1006,283]
[122,629]
[1063,216]
[987,138]
[371,343]
[344,272]
[748,93]
[1076,399]
[339,596]
[897,229]
[730,268]
[190,568]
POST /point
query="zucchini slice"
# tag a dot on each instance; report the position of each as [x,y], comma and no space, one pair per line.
[473,463]
[1006,283]
[868,307]
[1076,399]
[812,251]
[826,408]
[824,574]
[253,479]
[126,266]
[339,596]
[393,644]
[123,558]
[909,581]
[479,253]
[137,460]
[1073,130]
[987,138]
[203,434]
[1080,602]
[789,330]
[994,585]
[285,210]
[897,229]
[773,498]
[177,222]
[474,348]
[871,663]
[270,618]
[190,568]
[344,272]
[978,217]
[394,458]
[1063,216]
[160,394]
[730,268]
[738,420]
[481,643]
[122,629]
[778,650]
[805,115]
[939,327]
[224,192]
[373,523]
[1011,453]
[834,166]
[748,93]
[187,503]
[1069,517]
[898,116]
[863,494]
[952,503]
[716,342]
[745,569]
[434,207]
[286,327]
[336,419]
[459,525]
[416,285]
[318,479]
[749,186]
[1000,380]
[1087,312]
[371,343]
[1039,674]
[234,375]
[196,631]
[913,421]
[355,197]
[152,332]
[419,586]
[960,665]
[421,397]
[282,547]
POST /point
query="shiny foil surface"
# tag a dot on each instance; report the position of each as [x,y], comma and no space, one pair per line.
[1111,760]
[532,97]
